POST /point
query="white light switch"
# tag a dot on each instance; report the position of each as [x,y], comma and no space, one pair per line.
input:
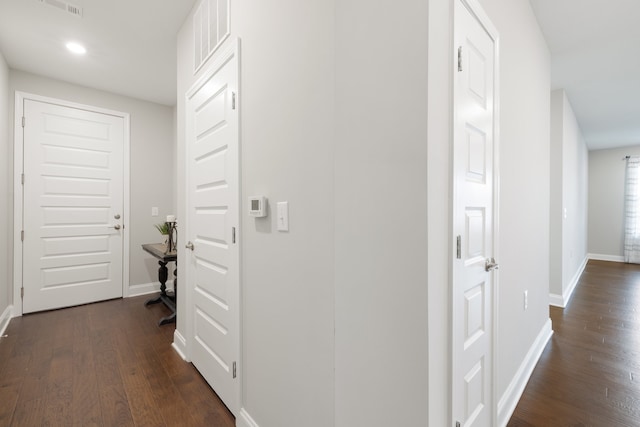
[154,211]
[283,216]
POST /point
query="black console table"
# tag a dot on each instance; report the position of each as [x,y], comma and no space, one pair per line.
[168,299]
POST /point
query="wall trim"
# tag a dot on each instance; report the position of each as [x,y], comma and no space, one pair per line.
[245,420]
[562,300]
[603,257]
[557,300]
[144,289]
[180,345]
[512,394]
[5,318]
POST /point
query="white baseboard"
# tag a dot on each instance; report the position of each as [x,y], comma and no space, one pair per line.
[562,300]
[511,396]
[5,318]
[557,300]
[16,310]
[603,257]
[180,345]
[245,420]
[145,288]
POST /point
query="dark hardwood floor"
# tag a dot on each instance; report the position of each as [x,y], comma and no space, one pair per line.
[589,373]
[103,364]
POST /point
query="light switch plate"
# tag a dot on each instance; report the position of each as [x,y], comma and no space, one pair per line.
[154,211]
[283,216]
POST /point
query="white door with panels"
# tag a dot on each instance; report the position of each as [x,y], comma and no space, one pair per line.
[72,206]
[213,253]
[474,222]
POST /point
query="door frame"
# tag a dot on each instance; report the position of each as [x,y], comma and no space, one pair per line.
[221,57]
[483,19]
[18,196]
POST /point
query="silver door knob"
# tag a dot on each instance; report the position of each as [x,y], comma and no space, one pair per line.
[189,246]
[117,216]
[490,264]
[117,227]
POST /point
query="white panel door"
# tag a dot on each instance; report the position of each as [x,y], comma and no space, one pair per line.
[473,276]
[73,192]
[212,227]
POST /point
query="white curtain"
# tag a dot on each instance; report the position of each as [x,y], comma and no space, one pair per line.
[632,211]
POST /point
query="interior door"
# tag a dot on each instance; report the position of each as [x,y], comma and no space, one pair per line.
[473,270]
[73,206]
[213,276]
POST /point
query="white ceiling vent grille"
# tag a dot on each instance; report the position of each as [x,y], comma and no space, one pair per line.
[63,5]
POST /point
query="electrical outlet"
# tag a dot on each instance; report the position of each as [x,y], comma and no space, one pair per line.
[526,299]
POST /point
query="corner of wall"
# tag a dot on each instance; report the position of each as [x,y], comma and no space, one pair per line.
[562,300]
[180,345]
[509,399]
[6,203]
[245,420]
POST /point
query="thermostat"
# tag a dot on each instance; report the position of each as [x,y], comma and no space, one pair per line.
[258,206]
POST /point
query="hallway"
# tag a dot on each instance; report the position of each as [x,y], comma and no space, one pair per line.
[589,373]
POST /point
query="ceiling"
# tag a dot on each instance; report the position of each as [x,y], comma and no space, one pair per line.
[131,43]
[132,51]
[595,58]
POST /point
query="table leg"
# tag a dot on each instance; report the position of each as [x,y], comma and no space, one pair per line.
[163,273]
[170,300]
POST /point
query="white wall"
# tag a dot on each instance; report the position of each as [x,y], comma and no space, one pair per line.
[575,182]
[334,113]
[152,140]
[6,182]
[524,197]
[556,189]
[606,202]
[381,213]
[287,131]
[569,209]
[524,183]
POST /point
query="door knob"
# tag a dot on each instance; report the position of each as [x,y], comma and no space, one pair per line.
[117,216]
[490,264]
[117,226]
[189,246]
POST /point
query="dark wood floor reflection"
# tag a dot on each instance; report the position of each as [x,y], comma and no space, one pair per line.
[589,373]
[103,364]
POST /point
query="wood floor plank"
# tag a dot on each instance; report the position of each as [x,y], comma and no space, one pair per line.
[589,373]
[113,398]
[29,413]
[86,396]
[174,409]
[8,400]
[59,389]
[37,373]
[145,410]
[102,364]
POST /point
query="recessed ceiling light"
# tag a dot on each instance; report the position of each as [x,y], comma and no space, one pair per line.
[76,48]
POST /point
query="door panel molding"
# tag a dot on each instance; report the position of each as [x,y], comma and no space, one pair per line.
[18,193]
[212,268]
[470,219]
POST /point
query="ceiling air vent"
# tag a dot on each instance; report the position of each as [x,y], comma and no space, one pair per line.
[63,5]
